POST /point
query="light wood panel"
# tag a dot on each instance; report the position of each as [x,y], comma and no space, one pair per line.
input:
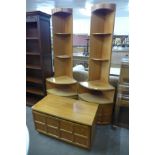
[66,108]
[97,89]
[65,92]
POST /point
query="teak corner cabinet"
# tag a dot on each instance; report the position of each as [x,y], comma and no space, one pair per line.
[62,84]
[97,89]
[38,52]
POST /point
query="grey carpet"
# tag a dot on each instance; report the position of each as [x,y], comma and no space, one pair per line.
[107,141]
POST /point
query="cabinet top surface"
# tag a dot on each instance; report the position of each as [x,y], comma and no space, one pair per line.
[97,85]
[67,108]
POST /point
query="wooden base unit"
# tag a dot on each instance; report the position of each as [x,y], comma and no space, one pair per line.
[104,114]
[66,119]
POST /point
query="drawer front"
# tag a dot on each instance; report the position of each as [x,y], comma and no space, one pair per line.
[53,121]
[31,18]
[81,141]
[82,130]
[66,136]
[66,125]
[40,126]
[53,131]
[39,117]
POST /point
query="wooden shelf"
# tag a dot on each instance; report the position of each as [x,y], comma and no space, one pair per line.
[65,92]
[94,98]
[97,85]
[34,91]
[101,34]
[99,59]
[61,80]
[33,53]
[33,67]
[32,38]
[63,56]
[34,80]
[103,8]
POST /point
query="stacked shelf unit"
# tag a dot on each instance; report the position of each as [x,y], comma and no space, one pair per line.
[97,89]
[38,52]
[62,84]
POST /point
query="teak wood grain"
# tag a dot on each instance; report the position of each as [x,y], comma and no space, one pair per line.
[97,89]
[66,108]
[66,119]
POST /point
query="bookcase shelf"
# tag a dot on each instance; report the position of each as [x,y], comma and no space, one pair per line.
[99,98]
[62,22]
[34,80]
[62,80]
[38,52]
[63,56]
[33,67]
[97,85]
[65,92]
[33,53]
[97,89]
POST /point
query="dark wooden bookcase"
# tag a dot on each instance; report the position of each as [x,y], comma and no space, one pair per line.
[38,52]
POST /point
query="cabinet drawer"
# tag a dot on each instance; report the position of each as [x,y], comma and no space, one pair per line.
[31,18]
[40,126]
[82,130]
[39,117]
[53,131]
[66,125]
[52,121]
[66,136]
[81,141]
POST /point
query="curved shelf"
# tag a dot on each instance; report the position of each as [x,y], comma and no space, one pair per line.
[103,7]
[101,34]
[63,56]
[99,59]
[65,92]
[95,98]
[97,85]
[62,80]
[61,11]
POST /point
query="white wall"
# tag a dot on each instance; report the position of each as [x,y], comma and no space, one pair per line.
[82,26]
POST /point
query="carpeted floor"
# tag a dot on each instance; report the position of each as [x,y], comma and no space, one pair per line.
[107,141]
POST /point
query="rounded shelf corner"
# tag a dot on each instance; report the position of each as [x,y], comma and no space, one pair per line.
[64,92]
[63,11]
[62,80]
[97,85]
[89,97]
[103,7]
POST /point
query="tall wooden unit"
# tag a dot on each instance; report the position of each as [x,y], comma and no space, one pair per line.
[62,84]
[38,52]
[97,89]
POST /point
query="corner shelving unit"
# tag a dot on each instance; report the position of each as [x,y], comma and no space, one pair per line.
[62,84]
[38,53]
[97,89]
